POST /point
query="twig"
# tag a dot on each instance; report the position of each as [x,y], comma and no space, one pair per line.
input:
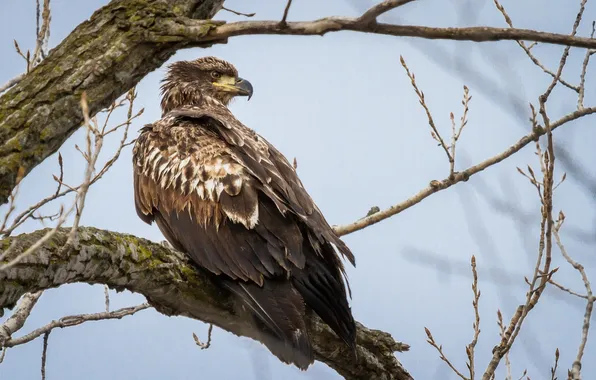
[40,242]
[43,35]
[455,134]
[92,154]
[13,197]
[578,19]
[106,292]
[476,325]
[582,77]
[28,213]
[553,370]
[204,345]
[44,354]
[370,16]
[238,13]
[436,135]
[542,273]
[567,290]
[439,348]
[577,364]
[286,11]
[527,49]
[26,57]
[508,376]
[75,320]
[61,178]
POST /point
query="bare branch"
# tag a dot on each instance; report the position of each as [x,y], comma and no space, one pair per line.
[92,155]
[106,292]
[238,13]
[439,349]
[286,11]
[462,176]
[36,245]
[567,290]
[193,30]
[13,197]
[582,78]
[371,15]
[508,376]
[44,355]
[29,212]
[43,33]
[206,345]
[18,317]
[527,49]
[455,134]
[435,134]
[577,364]
[553,370]
[75,320]
[476,325]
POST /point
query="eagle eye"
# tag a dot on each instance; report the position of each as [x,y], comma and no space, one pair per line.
[215,75]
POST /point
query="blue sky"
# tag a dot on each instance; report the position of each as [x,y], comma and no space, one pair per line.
[343,106]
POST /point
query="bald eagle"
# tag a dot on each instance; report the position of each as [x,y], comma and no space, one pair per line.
[233,203]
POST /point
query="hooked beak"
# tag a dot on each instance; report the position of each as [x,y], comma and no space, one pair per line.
[236,86]
[244,87]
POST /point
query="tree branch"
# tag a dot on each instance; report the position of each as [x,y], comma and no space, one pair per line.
[174,287]
[436,186]
[75,320]
[18,318]
[193,31]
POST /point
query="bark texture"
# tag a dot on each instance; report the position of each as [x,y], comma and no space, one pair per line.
[174,287]
[104,57]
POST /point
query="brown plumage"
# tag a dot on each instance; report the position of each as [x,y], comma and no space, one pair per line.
[235,205]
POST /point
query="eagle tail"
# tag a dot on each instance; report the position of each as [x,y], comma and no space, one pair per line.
[279,311]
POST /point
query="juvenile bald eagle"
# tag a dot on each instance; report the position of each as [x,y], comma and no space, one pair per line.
[227,198]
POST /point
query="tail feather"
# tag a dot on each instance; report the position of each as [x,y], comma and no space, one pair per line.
[280,313]
[323,288]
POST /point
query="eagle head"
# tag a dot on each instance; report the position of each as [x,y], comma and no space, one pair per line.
[189,82]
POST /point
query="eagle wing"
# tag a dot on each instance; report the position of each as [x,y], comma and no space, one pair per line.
[276,176]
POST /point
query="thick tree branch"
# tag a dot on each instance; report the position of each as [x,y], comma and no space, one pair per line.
[174,287]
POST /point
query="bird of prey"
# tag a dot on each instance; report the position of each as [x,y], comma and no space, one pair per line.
[227,198]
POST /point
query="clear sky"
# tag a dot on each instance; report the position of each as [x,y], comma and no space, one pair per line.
[344,107]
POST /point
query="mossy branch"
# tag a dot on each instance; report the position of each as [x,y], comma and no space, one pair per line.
[174,287]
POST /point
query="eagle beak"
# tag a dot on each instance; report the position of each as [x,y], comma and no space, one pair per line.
[244,87]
